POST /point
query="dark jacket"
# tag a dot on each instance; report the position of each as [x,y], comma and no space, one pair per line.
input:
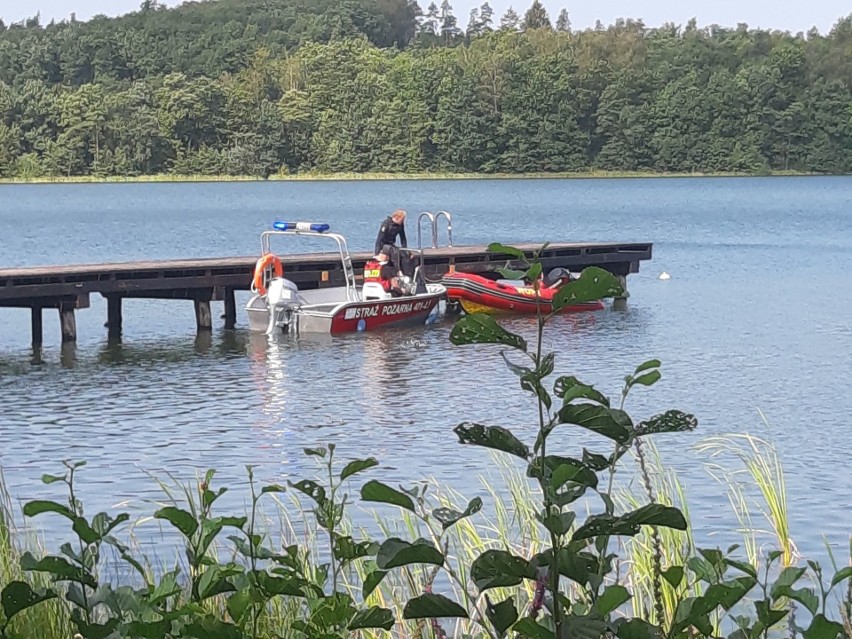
[388,232]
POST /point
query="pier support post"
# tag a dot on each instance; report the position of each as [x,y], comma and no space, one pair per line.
[68,323]
[203,316]
[114,318]
[37,327]
[230,309]
[620,303]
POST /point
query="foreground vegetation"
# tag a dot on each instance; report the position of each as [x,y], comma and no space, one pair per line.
[296,86]
[537,569]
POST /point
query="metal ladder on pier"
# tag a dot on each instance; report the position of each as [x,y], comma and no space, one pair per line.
[433,221]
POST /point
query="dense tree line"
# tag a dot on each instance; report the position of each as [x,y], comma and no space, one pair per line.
[257,87]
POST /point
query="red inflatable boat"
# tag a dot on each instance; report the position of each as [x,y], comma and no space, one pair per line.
[479,294]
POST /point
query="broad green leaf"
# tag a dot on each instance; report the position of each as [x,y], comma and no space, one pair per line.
[786,579]
[559,523]
[518,370]
[534,272]
[503,249]
[494,437]
[33,508]
[672,421]
[532,384]
[767,616]
[512,273]
[431,606]
[594,461]
[357,466]
[312,489]
[693,611]
[97,630]
[562,470]
[449,516]
[673,575]
[651,363]
[208,497]
[289,585]
[482,328]
[713,555]
[598,419]
[570,388]
[213,582]
[178,518]
[612,597]
[702,568]
[347,549]
[245,549]
[18,596]
[742,566]
[84,531]
[657,515]
[499,568]
[208,627]
[103,524]
[527,627]
[372,617]
[396,552]
[59,568]
[822,628]
[593,284]
[804,596]
[168,587]
[729,593]
[238,605]
[584,627]
[648,379]
[638,629]
[272,488]
[210,528]
[372,581]
[149,629]
[502,614]
[382,493]
[840,575]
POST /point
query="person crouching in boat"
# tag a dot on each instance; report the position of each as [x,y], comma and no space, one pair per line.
[388,273]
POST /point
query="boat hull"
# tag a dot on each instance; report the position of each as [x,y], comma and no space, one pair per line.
[348,317]
[477,294]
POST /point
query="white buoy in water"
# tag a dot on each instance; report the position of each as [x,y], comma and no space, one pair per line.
[665,276]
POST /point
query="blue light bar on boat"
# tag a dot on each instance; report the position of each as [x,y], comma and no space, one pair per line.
[301,226]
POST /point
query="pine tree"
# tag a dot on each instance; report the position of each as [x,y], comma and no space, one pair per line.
[429,24]
[563,22]
[486,16]
[536,17]
[449,23]
[474,26]
[510,21]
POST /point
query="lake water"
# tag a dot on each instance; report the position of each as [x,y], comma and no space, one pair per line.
[757,316]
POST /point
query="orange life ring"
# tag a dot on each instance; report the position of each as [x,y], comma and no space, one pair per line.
[260,271]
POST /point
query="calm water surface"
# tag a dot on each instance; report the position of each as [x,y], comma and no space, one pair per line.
[756,317]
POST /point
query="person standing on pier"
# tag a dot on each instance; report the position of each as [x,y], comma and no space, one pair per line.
[392,226]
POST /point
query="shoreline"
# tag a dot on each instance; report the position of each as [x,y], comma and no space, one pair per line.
[378,176]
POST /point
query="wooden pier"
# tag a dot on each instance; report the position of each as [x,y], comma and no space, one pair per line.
[69,288]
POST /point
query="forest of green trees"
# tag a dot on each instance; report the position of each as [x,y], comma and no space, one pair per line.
[263,87]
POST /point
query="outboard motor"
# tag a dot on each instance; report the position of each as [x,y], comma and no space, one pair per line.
[557,277]
[282,297]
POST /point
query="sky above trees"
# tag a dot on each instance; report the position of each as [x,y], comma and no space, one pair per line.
[766,14]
